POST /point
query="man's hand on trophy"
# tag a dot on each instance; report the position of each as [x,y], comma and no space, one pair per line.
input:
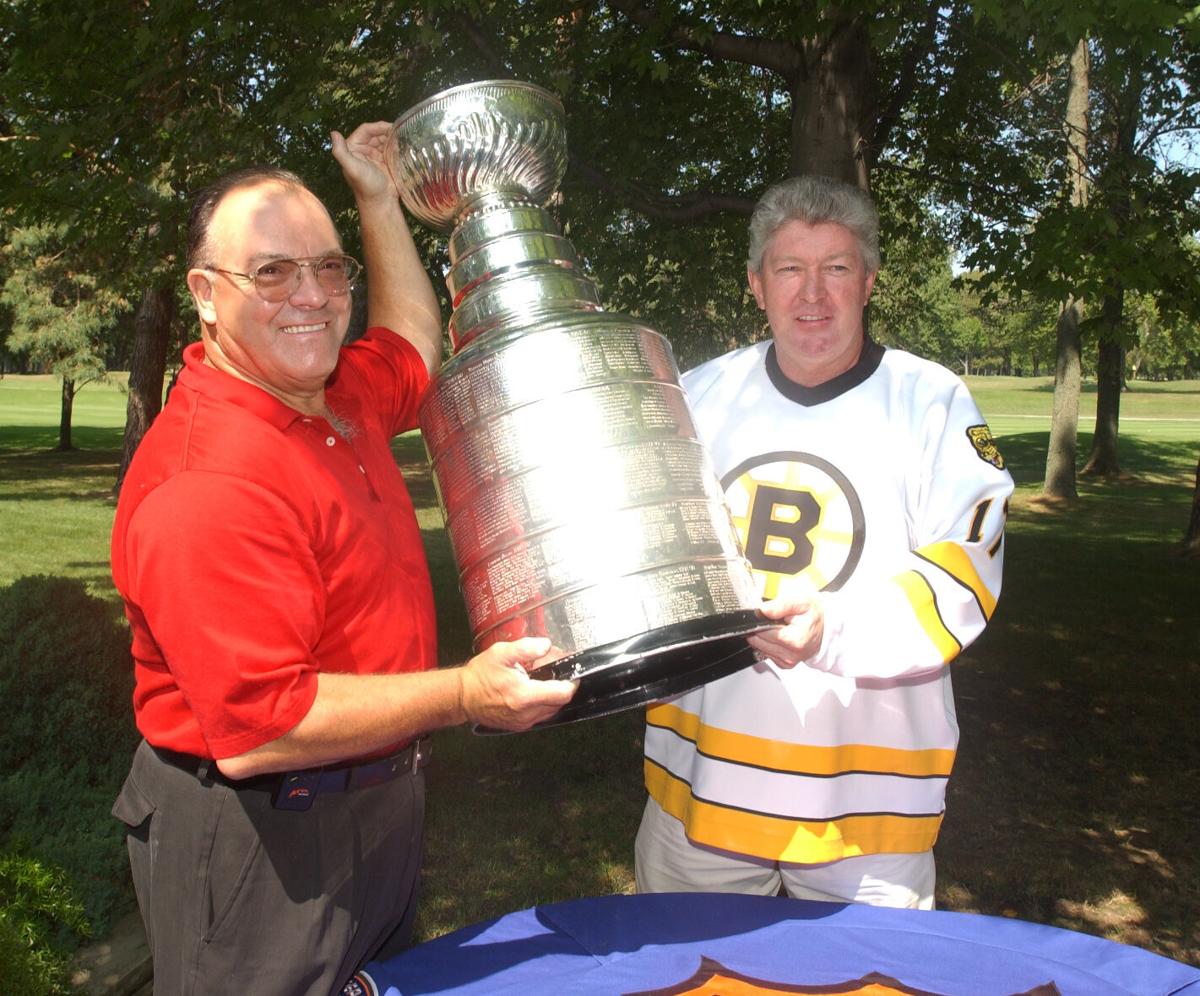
[363,158]
[799,638]
[496,690]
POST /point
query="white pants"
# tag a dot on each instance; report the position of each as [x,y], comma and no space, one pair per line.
[666,861]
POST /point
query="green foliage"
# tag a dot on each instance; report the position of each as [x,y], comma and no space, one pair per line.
[26,969]
[1134,231]
[59,311]
[41,924]
[38,903]
[18,972]
[679,115]
[66,734]
[65,674]
[1163,345]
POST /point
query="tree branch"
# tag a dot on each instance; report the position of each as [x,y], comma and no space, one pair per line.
[922,47]
[687,207]
[498,66]
[780,57]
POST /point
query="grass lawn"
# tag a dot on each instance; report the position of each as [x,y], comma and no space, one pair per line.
[1075,796]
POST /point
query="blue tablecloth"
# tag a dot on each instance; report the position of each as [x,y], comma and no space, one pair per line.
[631,944]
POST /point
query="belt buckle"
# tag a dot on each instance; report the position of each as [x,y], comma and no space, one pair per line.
[405,762]
[422,751]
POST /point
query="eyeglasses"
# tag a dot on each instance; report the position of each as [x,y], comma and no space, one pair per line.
[278,279]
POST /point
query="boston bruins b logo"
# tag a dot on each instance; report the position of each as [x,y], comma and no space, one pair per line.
[799,520]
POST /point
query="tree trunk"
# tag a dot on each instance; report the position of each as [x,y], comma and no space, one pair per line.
[832,105]
[1124,119]
[1191,539]
[147,367]
[64,418]
[1064,418]
[1110,368]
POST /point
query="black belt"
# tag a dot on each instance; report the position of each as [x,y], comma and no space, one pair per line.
[298,789]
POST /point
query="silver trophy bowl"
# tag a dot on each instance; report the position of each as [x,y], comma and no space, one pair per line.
[478,141]
[580,504]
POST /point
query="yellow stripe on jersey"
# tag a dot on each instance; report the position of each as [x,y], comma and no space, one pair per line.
[953,559]
[924,603]
[804,759]
[781,839]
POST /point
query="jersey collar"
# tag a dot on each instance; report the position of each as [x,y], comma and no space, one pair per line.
[867,363]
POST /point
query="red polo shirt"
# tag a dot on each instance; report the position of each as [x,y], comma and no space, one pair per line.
[255,547]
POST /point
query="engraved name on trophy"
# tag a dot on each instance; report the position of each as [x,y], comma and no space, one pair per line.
[580,503]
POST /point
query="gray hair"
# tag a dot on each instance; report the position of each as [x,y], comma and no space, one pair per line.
[815,200]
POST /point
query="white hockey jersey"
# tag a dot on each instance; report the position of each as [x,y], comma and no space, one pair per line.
[883,490]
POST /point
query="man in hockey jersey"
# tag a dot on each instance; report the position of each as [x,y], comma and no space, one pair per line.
[871,500]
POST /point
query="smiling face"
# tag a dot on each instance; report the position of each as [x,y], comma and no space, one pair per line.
[288,348]
[813,285]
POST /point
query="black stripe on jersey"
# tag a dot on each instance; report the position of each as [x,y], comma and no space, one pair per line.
[937,608]
[867,363]
[958,581]
[779,816]
[785,771]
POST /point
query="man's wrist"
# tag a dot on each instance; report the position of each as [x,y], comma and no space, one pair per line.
[385,202]
[461,716]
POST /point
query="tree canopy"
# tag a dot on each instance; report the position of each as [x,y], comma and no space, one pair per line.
[679,116]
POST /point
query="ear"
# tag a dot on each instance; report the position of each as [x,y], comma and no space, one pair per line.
[869,285]
[756,286]
[201,286]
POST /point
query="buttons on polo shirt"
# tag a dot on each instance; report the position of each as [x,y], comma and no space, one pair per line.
[330,440]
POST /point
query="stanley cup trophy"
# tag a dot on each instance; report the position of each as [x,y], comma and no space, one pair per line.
[580,504]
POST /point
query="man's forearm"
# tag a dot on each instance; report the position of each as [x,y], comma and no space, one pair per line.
[354,715]
[399,294]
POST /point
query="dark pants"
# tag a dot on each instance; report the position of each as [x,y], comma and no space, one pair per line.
[239,897]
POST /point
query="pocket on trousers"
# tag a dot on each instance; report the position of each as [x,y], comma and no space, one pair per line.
[133,807]
[235,852]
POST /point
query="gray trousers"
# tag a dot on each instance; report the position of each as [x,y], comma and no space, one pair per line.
[239,897]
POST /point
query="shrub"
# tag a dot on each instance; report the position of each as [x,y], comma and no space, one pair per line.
[65,675]
[66,736]
[41,921]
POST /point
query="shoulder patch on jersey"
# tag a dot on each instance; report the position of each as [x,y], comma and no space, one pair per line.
[985,445]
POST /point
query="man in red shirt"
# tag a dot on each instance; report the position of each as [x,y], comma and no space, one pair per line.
[283,625]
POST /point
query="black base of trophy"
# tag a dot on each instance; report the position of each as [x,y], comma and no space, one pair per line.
[654,665]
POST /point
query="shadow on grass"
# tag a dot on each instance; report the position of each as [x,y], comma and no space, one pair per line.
[32,468]
[1074,798]
[53,475]
[1140,457]
[40,438]
[1163,388]
[530,818]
